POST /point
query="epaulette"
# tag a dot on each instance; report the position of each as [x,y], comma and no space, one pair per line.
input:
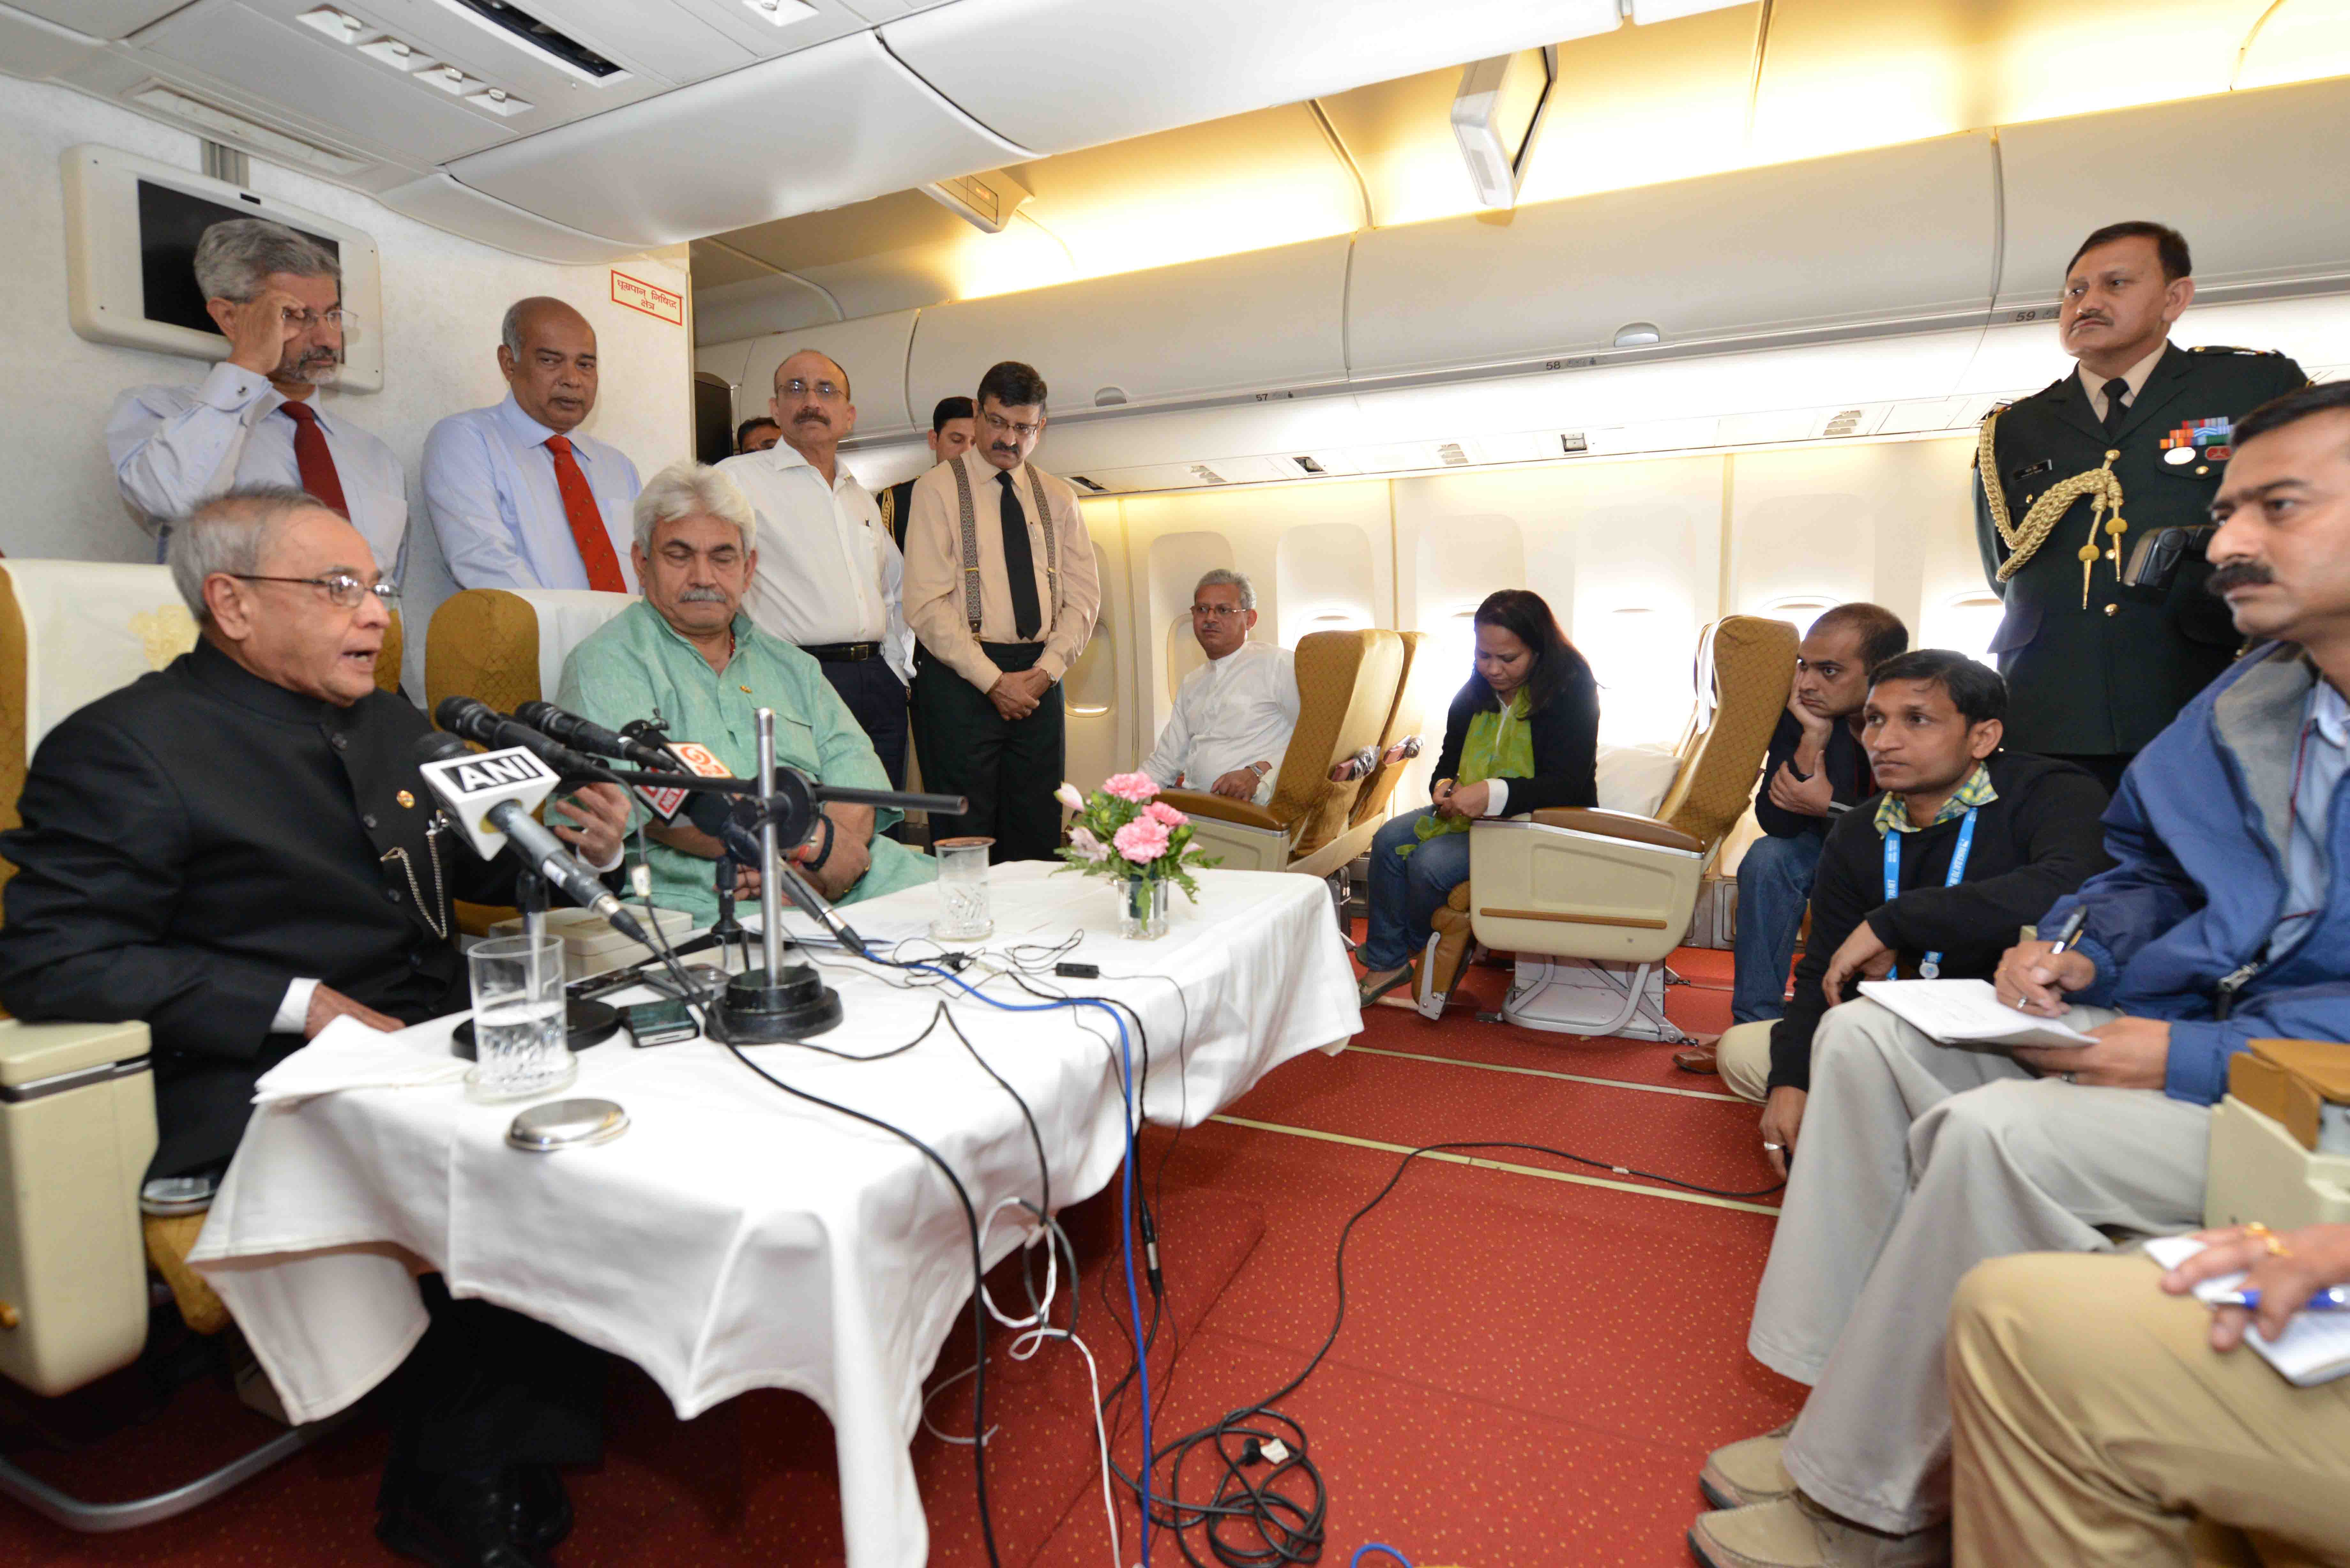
[2224,349]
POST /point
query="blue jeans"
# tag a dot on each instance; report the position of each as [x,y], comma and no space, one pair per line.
[1407,890]
[1774,884]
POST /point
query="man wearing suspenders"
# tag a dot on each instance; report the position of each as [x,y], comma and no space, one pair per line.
[1001,591]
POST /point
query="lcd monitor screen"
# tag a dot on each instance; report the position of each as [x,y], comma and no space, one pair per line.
[170,224]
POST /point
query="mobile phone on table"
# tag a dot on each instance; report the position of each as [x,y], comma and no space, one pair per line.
[660,1022]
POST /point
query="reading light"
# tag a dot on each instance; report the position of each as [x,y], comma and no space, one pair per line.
[1638,334]
[985,201]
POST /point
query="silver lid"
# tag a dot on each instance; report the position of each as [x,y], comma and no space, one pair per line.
[167,1195]
[567,1123]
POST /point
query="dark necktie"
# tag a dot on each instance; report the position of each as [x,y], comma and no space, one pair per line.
[1019,564]
[2115,390]
[587,521]
[312,460]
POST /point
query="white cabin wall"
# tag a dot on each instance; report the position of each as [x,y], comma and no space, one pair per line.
[443,298]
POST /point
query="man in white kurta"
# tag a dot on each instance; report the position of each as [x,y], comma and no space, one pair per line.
[1233,714]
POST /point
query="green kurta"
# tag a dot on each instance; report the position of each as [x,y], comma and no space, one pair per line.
[634,668]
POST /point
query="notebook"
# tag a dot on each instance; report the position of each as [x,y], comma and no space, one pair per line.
[2315,1345]
[1967,1013]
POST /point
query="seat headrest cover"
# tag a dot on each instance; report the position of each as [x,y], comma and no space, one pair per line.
[1753,668]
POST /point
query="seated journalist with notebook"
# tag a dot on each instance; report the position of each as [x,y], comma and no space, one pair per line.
[2220,923]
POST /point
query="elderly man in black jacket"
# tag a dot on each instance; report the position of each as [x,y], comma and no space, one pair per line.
[239,849]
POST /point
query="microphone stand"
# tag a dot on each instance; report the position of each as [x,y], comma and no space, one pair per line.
[777,1001]
[726,930]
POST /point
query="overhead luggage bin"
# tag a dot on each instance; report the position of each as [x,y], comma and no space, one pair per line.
[442,202]
[1056,75]
[759,143]
[871,350]
[1894,240]
[2242,176]
[1264,322]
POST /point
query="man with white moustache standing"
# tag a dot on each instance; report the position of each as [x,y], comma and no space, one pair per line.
[1233,714]
[828,573]
[277,296]
[519,496]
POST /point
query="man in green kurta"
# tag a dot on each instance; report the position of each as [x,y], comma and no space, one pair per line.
[2095,668]
[687,656]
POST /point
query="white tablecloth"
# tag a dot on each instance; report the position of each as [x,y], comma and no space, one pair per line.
[736,1238]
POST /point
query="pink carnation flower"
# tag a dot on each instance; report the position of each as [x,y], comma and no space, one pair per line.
[1165,816]
[1136,788]
[1141,840]
[1089,848]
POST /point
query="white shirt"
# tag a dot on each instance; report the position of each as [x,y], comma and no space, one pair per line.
[1231,712]
[174,448]
[496,504]
[828,569]
[2134,376]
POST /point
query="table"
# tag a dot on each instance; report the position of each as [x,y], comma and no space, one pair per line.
[737,1238]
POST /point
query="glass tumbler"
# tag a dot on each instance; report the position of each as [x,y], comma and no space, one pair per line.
[519,1039]
[963,915]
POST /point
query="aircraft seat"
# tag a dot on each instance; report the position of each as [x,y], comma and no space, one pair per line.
[1398,742]
[1603,890]
[1346,688]
[507,646]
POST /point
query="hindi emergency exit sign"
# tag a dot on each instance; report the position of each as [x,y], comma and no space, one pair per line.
[638,295]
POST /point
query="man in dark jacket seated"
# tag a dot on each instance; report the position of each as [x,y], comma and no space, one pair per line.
[2220,923]
[1931,724]
[1813,772]
[239,849]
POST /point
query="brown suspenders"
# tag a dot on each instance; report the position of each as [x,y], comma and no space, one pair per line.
[970,546]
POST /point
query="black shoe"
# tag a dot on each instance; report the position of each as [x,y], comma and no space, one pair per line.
[451,1522]
[542,1510]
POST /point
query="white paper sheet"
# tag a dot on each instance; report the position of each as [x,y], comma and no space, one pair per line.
[1967,1013]
[2315,1345]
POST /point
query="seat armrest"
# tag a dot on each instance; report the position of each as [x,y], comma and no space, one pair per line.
[1219,809]
[1617,824]
[33,1053]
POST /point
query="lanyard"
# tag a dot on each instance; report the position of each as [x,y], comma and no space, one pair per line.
[1930,966]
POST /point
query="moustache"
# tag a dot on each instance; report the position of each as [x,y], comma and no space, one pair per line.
[811,417]
[2233,574]
[1004,446]
[700,596]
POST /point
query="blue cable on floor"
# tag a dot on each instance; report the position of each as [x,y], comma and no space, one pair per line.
[1133,1293]
[1370,1546]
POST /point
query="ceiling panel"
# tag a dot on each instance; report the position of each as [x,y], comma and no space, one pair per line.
[889,223]
[100,18]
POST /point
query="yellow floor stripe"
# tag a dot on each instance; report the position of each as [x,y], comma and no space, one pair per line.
[1546,1073]
[1450,1158]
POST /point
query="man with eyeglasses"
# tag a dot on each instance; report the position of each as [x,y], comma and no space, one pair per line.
[519,495]
[1002,592]
[828,575]
[1233,714]
[276,295]
[238,850]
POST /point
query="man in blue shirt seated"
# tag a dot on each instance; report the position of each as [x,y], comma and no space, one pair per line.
[687,656]
[2219,923]
[520,497]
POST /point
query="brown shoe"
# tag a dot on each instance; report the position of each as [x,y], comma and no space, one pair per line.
[1796,1532]
[1738,1475]
[1696,1059]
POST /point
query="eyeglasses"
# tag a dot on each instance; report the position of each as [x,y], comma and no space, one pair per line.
[338,318]
[999,424]
[825,392]
[1215,612]
[343,590]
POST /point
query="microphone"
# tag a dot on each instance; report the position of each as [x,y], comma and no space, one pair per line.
[472,719]
[586,735]
[722,817]
[464,782]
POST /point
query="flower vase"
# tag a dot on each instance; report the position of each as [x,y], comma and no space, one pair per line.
[1141,907]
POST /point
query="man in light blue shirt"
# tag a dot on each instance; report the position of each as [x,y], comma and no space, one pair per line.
[518,497]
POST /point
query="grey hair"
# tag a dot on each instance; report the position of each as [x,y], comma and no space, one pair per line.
[1225,577]
[231,533]
[690,489]
[233,257]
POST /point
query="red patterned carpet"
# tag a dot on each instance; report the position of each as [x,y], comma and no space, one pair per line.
[1530,1372]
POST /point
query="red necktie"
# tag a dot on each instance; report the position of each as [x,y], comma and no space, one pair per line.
[587,521]
[312,459]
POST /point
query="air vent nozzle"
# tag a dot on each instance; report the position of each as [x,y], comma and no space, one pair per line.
[544,36]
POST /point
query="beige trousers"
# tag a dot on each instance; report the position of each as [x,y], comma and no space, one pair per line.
[2095,1424]
[1743,1056]
[1918,1162]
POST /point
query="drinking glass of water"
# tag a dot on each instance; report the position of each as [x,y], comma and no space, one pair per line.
[963,915]
[519,1044]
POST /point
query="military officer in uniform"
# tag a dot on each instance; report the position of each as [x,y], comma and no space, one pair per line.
[2069,480]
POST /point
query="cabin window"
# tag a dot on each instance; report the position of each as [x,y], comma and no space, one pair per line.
[1090,687]
[1965,623]
[1799,609]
